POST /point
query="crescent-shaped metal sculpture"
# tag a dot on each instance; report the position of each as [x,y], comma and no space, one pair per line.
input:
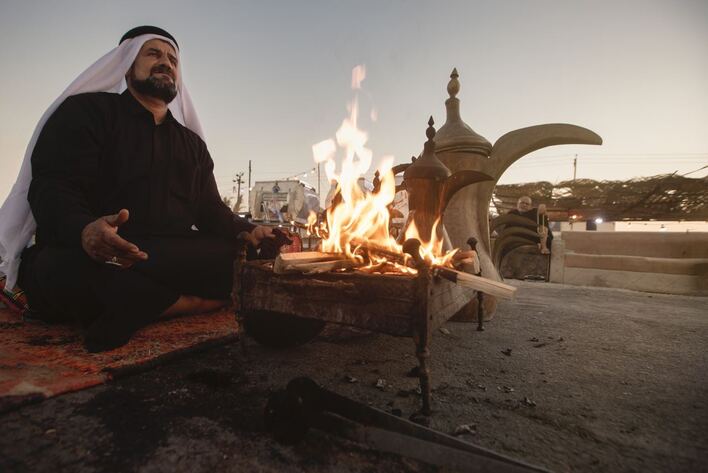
[461,149]
[512,239]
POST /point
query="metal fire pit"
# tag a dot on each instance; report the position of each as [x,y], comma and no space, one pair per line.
[400,305]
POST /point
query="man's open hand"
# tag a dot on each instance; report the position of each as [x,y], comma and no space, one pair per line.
[259,234]
[101,242]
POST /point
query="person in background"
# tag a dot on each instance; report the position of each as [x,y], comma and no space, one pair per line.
[524,208]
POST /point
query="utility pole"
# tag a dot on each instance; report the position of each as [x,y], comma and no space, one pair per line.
[575,166]
[238,180]
[319,185]
[249,185]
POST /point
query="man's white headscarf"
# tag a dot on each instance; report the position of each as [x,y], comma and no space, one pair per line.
[17,225]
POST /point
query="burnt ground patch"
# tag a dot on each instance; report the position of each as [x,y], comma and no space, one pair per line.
[204,413]
[140,413]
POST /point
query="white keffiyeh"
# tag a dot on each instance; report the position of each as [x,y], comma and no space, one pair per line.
[17,225]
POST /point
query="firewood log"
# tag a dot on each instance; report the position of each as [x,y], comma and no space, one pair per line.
[304,261]
[487,286]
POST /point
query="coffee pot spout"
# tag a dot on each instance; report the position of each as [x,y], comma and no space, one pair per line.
[457,181]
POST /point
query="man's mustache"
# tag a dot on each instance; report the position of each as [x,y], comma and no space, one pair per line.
[164,70]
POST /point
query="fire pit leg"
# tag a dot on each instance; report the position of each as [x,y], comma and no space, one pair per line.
[423,353]
[422,338]
[422,328]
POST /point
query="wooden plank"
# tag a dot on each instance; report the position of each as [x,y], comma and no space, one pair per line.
[309,261]
[321,266]
[487,286]
[308,256]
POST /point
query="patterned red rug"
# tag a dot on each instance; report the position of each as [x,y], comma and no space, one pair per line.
[39,360]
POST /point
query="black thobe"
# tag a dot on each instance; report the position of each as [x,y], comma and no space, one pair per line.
[99,153]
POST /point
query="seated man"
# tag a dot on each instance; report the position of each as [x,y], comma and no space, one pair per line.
[129,223]
[539,215]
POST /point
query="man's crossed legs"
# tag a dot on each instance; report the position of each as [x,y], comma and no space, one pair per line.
[183,275]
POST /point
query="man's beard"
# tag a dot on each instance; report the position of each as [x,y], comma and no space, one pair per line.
[154,87]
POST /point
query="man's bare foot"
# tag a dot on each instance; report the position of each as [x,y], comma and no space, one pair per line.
[187,305]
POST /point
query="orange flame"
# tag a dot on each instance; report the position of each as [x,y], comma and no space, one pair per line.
[358,220]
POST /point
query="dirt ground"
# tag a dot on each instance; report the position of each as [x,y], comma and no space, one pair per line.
[570,378]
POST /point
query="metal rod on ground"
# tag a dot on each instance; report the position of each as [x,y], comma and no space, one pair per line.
[427,451]
[304,403]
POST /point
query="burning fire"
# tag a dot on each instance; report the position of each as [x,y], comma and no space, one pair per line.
[357,222]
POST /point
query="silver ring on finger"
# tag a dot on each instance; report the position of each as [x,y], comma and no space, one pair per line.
[113,261]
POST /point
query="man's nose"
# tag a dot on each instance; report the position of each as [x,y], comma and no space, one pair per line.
[164,60]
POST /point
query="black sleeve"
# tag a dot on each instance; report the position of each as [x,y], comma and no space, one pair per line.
[214,216]
[65,163]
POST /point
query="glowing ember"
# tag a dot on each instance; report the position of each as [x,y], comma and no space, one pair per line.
[357,222]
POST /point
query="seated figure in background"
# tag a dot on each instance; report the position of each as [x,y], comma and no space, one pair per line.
[524,208]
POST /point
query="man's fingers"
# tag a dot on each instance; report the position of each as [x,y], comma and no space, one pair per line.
[118,219]
[119,244]
[260,233]
[102,253]
[134,257]
[263,232]
[124,263]
[101,242]
[252,240]
[109,255]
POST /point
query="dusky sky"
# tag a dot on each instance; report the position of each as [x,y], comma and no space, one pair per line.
[271,78]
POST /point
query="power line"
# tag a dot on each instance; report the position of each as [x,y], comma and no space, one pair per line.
[625,158]
[600,163]
[645,154]
[699,169]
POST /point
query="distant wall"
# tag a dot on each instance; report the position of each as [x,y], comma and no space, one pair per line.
[673,263]
[580,226]
[652,226]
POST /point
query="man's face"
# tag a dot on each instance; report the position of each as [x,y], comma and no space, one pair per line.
[154,72]
[523,204]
